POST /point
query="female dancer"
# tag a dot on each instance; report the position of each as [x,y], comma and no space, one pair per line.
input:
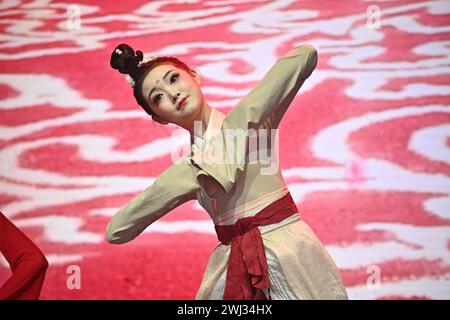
[267,251]
[27,262]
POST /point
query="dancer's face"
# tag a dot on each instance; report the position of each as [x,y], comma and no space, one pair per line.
[165,86]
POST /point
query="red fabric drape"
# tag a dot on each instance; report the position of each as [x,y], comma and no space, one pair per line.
[247,272]
[28,264]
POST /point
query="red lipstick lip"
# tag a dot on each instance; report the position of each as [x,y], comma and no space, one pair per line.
[181,104]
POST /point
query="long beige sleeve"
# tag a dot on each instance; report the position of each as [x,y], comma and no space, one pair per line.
[176,185]
[265,104]
[275,92]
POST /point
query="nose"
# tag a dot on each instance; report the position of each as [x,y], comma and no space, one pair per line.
[175,98]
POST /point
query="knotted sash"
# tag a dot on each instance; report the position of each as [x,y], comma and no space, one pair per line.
[247,272]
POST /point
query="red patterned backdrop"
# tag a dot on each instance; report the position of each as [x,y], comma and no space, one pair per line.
[365,146]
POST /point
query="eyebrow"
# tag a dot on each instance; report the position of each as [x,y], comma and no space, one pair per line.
[149,95]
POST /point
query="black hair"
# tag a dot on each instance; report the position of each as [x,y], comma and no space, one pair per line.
[126,61]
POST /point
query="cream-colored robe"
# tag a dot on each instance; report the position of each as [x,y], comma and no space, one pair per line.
[234,181]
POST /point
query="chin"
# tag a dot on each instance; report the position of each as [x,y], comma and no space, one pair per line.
[192,108]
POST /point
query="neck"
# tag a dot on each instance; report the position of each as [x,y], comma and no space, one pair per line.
[200,123]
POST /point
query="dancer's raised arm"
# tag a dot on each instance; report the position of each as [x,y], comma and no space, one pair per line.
[272,96]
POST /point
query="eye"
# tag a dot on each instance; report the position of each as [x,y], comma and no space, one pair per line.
[156,98]
[174,76]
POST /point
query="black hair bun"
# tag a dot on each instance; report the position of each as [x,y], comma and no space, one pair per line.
[125,60]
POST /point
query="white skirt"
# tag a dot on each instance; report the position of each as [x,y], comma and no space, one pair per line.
[299,265]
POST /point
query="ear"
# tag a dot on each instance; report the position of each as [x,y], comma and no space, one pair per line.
[196,75]
[159,119]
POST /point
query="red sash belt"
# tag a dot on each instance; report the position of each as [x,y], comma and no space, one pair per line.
[247,272]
